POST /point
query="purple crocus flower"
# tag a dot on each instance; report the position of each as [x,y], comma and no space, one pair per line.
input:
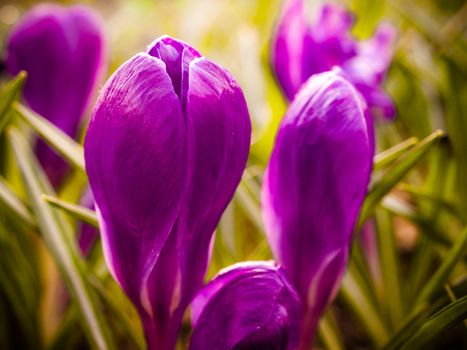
[301,49]
[62,50]
[249,305]
[165,149]
[313,189]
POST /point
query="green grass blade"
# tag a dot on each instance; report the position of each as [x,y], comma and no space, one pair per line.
[396,173]
[329,334]
[53,136]
[249,206]
[389,267]
[363,308]
[443,204]
[445,318]
[8,94]
[388,156]
[77,211]
[9,200]
[437,281]
[400,208]
[65,255]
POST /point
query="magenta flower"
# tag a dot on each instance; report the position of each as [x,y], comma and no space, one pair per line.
[62,50]
[313,189]
[165,150]
[249,305]
[301,49]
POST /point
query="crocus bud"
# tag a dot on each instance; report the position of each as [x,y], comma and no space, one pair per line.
[301,49]
[313,189]
[165,150]
[62,50]
[249,305]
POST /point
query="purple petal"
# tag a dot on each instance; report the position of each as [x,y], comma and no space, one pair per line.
[368,68]
[314,187]
[250,305]
[177,57]
[302,49]
[288,47]
[136,164]
[219,137]
[332,36]
[373,56]
[62,50]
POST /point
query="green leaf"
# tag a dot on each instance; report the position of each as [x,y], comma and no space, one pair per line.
[8,94]
[249,206]
[79,212]
[19,282]
[363,308]
[329,334]
[389,262]
[415,321]
[406,211]
[437,281]
[396,173]
[445,318]
[119,304]
[386,157]
[10,201]
[53,136]
[442,203]
[59,242]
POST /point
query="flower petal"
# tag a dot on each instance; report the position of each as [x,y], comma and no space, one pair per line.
[63,49]
[316,181]
[219,133]
[136,164]
[247,306]
[330,43]
[288,47]
[177,56]
[368,68]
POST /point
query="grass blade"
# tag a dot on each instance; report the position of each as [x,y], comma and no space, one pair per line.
[66,255]
[363,308]
[388,156]
[8,95]
[448,316]
[329,334]
[77,211]
[9,200]
[53,136]
[389,267]
[396,173]
[437,281]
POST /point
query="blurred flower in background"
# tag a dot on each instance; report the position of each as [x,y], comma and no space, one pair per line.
[301,49]
[63,52]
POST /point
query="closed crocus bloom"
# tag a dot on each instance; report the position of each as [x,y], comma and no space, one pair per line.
[62,50]
[313,189]
[301,49]
[248,306]
[165,149]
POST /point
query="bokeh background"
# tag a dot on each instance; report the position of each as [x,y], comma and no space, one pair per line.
[427,81]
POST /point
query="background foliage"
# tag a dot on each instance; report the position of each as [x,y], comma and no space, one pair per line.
[406,286]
